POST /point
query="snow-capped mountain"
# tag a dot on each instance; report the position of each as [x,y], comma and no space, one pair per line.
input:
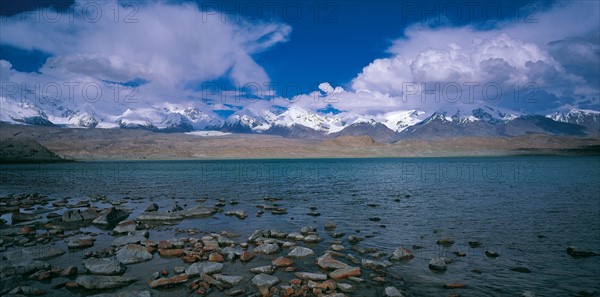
[299,122]
[587,118]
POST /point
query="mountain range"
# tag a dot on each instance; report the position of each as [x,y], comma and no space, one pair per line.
[298,122]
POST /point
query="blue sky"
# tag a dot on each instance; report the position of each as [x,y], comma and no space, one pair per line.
[366,52]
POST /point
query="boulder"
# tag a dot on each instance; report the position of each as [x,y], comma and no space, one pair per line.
[300,252]
[104,266]
[263,282]
[133,253]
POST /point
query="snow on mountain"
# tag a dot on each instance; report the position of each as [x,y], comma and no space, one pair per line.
[399,120]
[250,119]
[590,119]
[15,112]
[298,116]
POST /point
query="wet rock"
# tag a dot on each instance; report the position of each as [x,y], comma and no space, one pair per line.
[240,214]
[460,254]
[311,276]
[345,273]
[521,269]
[198,211]
[72,215]
[402,254]
[27,230]
[282,262]
[346,288]
[199,268]
[370,264]
[337,247]
[159,216]
[474,244]
[234,292]
[327,262]
[152,207]
[104,266]
[330,226]
[80,241]
[445,241]
[32,253]
[267,248]
[492,254]
[101,282]
[307,230]
[133,253]
[232,280]
[392,292]
[215,257]
[69,271]
[168,282]
[125,227]
[26,290]
[528,294]
[575,252]
[300,252]
[312,238]
[268,269]
[126,294]
[246,256]
[353,239]
[171,253]
[19,217]
[263,282]
[295,236]
[111,216]
[23,267]
[438,264]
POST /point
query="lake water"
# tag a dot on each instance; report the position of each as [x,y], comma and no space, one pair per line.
[528,209]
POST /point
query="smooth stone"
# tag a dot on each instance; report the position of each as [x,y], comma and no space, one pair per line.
[268,269]
[263,282]
[126,294]
[101,282]
[345,272]
[267,248]
[346,288]
[438,264]
[125,227]
[168,282]
[152,207]
[80,241]
[125,240]
[104,266]
[370,264]
[575,252]
[133,253]
[199,268]
[392,292]
[229,279]
[159,216]
[329,263]
[311,276]
[198,211]
[445,241]
[300,252]
[402,254]
[110,216]
[312,238]
[354,239]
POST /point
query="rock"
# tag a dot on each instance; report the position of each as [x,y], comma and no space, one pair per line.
[27,230]
[69,271]
[337,247]
[267,248]
[268,269]
[312,238]
[574,252]
[521,269]
[32,253]
[246,256]
[354,239]
[300,252]
[438,264]
[80,241]
[282,262]
[101,282]
[126,294]
[263,282]
[445,241]
[203,267]
[346,288]
[330,226]
[327,262]
[392,292]
[159,216]
[307,229]
[111,216]
[19,217]
[345,272]
[198,211]
[125,240]
[370,264]
[104,266]
[528,294]
[168,282]
[152,207]
[133,253]
[215,257]
[232,280]
[492,254]
[125,227]
[257,234]
[295,236]
[240,214]
[72,215]
[311,276]
[474,244]
[402,254]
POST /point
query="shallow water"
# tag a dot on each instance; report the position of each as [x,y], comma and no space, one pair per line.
[529,209]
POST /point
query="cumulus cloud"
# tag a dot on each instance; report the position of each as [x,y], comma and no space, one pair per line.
[173,47]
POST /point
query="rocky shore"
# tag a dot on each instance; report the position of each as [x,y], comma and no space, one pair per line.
[95,246]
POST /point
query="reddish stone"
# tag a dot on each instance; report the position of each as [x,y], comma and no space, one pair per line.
[246,256]
[171,253]
[215,257]
[167,282]
[282,262]
[455,286]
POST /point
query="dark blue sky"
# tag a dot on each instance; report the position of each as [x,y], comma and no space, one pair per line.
[330,41]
